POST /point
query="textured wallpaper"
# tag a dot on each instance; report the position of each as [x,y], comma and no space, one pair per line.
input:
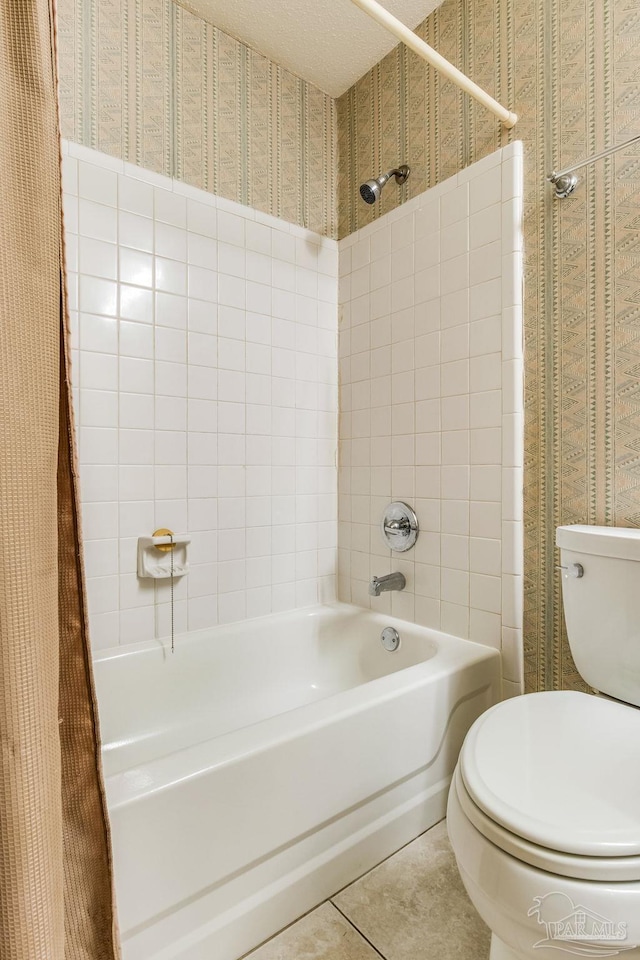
[569,68]
[149,82]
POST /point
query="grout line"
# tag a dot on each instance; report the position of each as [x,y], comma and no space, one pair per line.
[375,867]
[353,882]
[330,901]
[357,929]
[263,943]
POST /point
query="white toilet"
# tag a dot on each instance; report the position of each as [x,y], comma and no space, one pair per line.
[544,807]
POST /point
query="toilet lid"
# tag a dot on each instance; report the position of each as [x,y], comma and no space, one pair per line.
[560,769]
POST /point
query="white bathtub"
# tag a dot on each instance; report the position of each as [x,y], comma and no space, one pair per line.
[265,765]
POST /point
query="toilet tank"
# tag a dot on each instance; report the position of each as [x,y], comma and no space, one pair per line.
[602,607]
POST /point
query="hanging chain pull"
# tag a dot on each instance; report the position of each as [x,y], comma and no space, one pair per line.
[170,549]
[171,581]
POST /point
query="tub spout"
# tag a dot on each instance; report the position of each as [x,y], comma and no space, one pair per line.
[392,581]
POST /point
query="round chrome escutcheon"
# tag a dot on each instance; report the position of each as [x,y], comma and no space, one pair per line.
[399,526]
[390,639]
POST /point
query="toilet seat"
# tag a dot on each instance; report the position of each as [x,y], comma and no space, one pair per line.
[604,869]
[554,780]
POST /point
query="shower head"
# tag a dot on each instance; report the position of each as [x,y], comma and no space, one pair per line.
[371,190]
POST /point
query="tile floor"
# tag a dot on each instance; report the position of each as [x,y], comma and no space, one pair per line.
[410,907]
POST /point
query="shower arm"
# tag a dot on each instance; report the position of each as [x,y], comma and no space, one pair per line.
[400,173]
[417,44]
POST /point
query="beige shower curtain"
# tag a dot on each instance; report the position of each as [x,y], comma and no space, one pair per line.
[56,898]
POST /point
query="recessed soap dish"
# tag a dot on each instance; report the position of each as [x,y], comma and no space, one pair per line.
[162,556]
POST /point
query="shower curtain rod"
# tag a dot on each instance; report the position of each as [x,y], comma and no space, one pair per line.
[417,44]
[565,182]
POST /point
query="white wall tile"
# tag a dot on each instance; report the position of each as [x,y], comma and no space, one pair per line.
[99,484]
[136,303]
[431,403]
[485,519]
[202,218]
[512,601]
[221,363]
[135,172]
[512,334]
[454,206]
[136,375]
[98,184]
[485,372]
[512,655]
[231,228]
[486,409]
[136,340]
[485,627]
[485,336]
[454,274]
[102,594]
[98,258]
[99,520]
[454,239]
[98,408]
[135,231]
[170,208]
[171,310]
[98,296]
[485,189]
[486,226]
[171,276]
[136,267]
[170,241]
[512,493]
[98,445]
[134,196]
[454,343]
[485,299]
[485,263]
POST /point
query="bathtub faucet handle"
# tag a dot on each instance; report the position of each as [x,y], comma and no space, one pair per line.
[392,581]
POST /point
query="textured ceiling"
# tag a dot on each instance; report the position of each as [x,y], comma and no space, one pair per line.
[330,43]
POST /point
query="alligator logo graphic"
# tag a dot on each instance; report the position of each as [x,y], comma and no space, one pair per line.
[576,929]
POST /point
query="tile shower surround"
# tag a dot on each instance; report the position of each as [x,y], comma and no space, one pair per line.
[206,401]
[431,406]
[205,339]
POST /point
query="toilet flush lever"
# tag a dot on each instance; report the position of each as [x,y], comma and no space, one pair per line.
[574,570]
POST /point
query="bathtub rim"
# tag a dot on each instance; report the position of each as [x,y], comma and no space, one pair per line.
[451,655]
[332,609]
